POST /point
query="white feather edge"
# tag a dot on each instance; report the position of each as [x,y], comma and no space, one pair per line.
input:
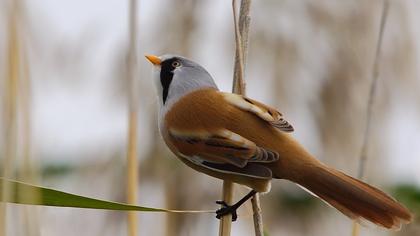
[238,101]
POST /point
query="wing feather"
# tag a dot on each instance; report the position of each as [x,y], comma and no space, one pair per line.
[269,114]
[222,146]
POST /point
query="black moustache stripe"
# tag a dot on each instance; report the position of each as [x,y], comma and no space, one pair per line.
[166,76]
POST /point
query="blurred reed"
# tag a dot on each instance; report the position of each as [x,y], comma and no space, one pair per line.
[30,171]
[17,123]
[10,111]
[132,149]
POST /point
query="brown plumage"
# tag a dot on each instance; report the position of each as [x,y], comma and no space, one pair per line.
[207,116]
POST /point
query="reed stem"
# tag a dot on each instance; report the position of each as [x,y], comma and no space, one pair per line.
[10,111]
[132,149]
[241,43]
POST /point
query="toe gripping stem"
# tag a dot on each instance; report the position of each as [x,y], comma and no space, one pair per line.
[231,209]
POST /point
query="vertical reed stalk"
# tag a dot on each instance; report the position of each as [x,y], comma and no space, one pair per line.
[257,215]
[238,72]
[241,58]
[132,175]
[29,169]
[226,221]
[132,163]
[10,111]
[369,108]
[241,42]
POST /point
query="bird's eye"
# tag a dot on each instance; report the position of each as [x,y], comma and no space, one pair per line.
[176,64]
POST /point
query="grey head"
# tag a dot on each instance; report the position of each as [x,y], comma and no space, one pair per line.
[176,76]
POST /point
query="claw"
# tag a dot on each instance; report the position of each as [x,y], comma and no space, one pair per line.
[226,210]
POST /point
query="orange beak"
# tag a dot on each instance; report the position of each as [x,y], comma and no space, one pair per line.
[153,59]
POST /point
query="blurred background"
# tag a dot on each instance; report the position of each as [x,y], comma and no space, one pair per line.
[64,106]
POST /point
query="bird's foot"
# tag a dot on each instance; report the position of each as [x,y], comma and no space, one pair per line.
[226,210]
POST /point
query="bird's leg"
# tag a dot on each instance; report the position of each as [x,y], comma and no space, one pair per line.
[226,209]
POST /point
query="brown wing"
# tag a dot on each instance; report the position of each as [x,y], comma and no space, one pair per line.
[205,130]
[221,146]
[263,111]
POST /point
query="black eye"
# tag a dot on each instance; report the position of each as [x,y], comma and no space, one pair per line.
[176,64]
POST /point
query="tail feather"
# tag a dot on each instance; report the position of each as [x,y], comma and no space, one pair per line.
[354,198]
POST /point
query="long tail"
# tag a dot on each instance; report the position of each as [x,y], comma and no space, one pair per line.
[352,197]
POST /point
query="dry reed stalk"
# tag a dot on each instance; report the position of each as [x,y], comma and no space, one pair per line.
[241,42]
[132,162]
[29,169]
[238,73]
[257,215]
[17,105]
[10,112]
[226,221]
[369,108]
[132,172]
[244,23]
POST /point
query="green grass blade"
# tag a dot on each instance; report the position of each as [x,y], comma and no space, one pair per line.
[23,193]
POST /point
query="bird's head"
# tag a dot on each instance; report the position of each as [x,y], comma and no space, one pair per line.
[176,76]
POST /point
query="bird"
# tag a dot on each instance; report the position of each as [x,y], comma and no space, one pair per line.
[236,138]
